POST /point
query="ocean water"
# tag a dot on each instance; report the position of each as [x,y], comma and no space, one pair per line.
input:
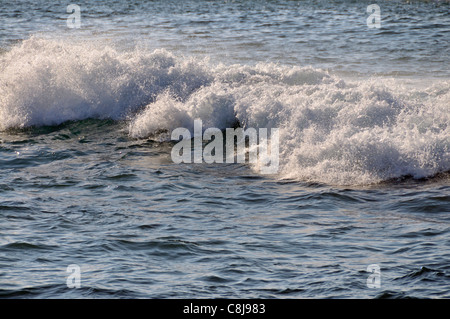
[87,178]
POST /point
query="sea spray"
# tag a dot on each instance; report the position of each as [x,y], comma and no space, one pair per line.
[331,129]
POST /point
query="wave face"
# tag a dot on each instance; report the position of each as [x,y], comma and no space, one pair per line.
[332,130]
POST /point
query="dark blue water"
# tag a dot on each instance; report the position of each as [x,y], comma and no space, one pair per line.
[86,178]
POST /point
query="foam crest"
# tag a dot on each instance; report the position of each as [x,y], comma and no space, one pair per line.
[47,82]
[332,130]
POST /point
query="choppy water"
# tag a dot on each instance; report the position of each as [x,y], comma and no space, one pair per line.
[364,128]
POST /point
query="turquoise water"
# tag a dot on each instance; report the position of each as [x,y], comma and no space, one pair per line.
[87,177]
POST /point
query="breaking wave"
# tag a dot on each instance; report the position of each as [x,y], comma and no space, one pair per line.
[332,130]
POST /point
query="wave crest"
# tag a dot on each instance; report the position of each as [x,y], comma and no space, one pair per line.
[332,130]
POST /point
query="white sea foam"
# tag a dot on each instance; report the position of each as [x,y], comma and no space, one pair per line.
[332,130]
[45,82]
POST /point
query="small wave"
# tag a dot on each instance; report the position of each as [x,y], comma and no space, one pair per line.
[61,292]
[394,295]
[332,130]
[25,246]
[424,273]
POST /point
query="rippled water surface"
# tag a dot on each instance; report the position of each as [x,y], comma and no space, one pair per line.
[86,179]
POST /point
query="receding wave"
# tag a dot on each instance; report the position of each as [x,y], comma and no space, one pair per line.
[332,130]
